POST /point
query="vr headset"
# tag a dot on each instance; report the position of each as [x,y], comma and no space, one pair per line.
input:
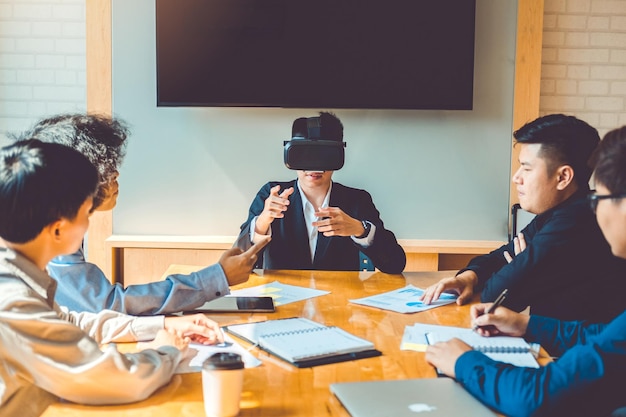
[312,148]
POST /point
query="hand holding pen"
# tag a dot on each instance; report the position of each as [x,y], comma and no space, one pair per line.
[489,320]
[493,306]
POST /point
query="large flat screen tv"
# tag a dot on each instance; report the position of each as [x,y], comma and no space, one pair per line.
[361,54]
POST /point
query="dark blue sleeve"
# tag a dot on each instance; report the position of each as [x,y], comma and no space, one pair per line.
[385,251]
[485,266]
[557,336]
[586,380]
[256,207]
[547,246]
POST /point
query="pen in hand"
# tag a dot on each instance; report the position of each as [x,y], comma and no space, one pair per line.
[495,305]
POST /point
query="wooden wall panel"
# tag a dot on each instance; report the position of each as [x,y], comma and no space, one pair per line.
[142,265]
[152,262]
[146,265]
[454,261]
[99,100]
[527,70]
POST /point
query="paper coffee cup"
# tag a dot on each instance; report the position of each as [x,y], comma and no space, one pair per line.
[222,382]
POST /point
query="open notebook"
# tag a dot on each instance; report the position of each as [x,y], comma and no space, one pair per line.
[304,342]
[513,350]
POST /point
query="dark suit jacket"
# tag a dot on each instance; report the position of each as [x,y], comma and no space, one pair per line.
[289,247]
[567,270]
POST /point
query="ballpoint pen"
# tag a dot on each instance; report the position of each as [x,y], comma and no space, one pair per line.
[495,305]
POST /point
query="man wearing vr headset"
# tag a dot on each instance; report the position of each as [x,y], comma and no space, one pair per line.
[316,223]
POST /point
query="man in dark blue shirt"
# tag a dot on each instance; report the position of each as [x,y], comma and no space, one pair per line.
[566,258]
[587,378]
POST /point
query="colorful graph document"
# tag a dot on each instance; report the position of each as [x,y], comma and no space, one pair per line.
[404,300]
[281,293]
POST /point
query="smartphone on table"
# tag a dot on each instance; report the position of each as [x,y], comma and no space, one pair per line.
[236,304]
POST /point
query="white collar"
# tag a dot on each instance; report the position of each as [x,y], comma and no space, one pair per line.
[306,202]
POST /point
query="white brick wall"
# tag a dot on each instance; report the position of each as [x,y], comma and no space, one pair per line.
[42,60]
[583,69]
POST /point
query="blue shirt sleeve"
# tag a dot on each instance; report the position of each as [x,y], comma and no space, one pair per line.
[558,336]
[82,286]
[586,380]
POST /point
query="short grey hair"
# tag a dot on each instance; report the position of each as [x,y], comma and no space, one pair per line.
[101,138]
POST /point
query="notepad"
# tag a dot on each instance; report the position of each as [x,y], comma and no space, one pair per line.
[304,342]
[513,350]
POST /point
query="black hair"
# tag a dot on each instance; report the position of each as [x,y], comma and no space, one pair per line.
[609,161]
[331,127]
[41,183]
[102,139]
[565,140]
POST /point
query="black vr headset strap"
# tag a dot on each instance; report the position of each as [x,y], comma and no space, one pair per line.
[314,128]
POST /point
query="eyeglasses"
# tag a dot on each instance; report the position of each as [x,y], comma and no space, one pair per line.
[594,198]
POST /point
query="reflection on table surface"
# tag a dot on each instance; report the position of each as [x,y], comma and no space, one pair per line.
[277,388]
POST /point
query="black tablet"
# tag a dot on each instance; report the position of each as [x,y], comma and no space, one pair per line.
[238,304]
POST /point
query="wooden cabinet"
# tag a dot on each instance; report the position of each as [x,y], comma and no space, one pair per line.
[141,259]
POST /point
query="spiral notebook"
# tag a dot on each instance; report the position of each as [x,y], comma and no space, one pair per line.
[304,342]
[513,350]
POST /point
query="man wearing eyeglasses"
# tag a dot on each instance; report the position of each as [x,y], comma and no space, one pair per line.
[560,265]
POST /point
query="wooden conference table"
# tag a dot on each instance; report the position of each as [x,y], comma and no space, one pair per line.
[277,388]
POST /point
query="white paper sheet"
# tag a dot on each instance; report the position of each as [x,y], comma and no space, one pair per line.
[197,354]
[281,293]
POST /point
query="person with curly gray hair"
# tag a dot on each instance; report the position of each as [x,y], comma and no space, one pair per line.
[100,138]
[84,286]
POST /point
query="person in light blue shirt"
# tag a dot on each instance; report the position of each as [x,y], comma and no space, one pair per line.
[84,286]
[587,378]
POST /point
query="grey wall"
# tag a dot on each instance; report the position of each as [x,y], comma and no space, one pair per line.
[432,174]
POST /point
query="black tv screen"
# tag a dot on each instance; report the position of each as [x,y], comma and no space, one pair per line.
[361,54]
